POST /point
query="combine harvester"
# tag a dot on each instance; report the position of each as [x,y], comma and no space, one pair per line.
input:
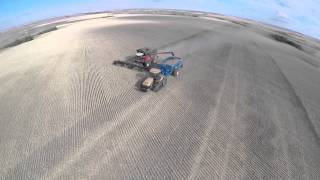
[157,70]
[144,58]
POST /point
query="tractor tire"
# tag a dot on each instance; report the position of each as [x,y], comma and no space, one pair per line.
[157,87]
[143,89]
[175,73]
[164,82]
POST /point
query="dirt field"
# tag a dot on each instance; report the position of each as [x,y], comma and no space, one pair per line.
[244,106]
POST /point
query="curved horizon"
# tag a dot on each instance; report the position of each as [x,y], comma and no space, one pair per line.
[245,103]
[294,15]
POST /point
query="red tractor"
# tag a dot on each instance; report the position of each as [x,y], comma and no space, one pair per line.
[144,59]
[147,56]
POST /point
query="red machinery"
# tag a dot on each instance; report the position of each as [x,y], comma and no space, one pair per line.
[144,59]
[147,56]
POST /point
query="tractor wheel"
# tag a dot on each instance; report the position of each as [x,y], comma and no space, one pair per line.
[157,87]
[175,73]
[164,81]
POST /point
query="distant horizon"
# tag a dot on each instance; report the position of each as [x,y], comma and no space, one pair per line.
[301,17]
[111,11]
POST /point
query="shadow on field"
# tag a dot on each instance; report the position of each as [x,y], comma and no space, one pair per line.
[283,39]
[140,76]
[28,38]
[18,41]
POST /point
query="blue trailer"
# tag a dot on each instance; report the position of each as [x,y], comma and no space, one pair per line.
[171,66]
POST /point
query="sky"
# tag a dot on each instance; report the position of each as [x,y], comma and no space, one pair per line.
[299,15]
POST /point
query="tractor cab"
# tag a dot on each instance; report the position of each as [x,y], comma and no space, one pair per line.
[154,81]
[146,56]
[155,72]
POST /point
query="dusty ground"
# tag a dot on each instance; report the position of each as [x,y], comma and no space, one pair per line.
[244,107]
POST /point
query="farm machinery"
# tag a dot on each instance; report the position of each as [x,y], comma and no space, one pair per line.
[157,69]
[170,66]
[143,59]
[154,81]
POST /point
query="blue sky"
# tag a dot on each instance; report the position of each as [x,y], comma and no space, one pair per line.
[299,15]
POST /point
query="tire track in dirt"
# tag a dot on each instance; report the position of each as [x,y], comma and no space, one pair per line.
[146,109]
[255,129]
[215,153]
[84,91]
[37,83]
[204,145]
[125,132]
[300,129]
[231,114]
[86,88]
[234,85]
[161,145]
[185,39]
[296,97]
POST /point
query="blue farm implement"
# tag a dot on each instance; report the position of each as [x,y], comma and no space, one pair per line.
[171,66]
